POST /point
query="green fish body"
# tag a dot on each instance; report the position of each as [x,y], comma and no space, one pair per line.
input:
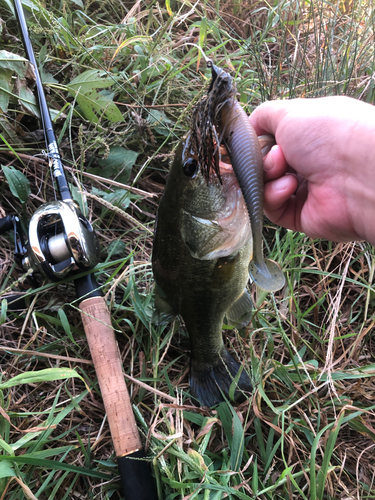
[201,255]
[209,236]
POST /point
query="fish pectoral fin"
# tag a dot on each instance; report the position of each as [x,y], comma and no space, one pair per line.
[199,235]
[240,312]
[268,277]
[164,312]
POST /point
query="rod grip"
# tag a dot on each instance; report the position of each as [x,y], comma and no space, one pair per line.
[108,366]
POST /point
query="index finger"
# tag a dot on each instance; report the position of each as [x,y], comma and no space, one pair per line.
[266,117]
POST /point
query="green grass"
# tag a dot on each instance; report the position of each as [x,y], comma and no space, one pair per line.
[121,83]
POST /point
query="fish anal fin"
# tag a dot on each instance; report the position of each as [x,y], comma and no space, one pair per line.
[268,277]
[164,312]
[240,312]
[208,382]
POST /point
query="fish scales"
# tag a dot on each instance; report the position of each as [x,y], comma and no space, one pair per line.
[203,246]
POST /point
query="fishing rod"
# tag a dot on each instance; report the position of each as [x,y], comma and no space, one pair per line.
[61,242]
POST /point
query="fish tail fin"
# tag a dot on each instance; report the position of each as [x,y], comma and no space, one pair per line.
[209,383]
[267,275]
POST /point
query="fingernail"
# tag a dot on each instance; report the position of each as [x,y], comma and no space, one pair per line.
[269,164]
[282,183]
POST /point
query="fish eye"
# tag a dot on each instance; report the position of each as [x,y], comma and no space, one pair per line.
[190,167]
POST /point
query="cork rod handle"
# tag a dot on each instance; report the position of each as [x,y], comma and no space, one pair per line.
[108,366]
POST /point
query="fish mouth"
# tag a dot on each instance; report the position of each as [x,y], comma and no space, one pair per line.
[233,217]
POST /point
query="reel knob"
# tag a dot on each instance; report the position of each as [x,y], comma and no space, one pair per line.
[61,240]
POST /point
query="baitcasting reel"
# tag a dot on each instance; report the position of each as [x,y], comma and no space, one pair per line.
[60,240]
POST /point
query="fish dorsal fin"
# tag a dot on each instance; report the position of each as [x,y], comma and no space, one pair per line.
[240,312]
[164,312]
[268,277]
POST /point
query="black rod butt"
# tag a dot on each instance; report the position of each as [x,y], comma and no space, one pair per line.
[87,287]
[16,301]
[136,478]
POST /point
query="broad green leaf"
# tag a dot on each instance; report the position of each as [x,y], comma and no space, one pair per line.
[94,104]
[89,80]
[26,98]
[27,4]
[286,472]
[17,64]
[18,183]
[8,135]
[116,247]
[162,124]
[46,77]
[5,88]
[47,375]
[119,198]
[118,164]
[6,470]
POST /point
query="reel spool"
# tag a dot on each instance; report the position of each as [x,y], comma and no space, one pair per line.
[60,240]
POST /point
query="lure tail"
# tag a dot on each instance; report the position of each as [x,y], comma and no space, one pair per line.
[267,275]
[210,383]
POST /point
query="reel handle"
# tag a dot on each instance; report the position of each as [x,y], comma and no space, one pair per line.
[135,473]
[6,223]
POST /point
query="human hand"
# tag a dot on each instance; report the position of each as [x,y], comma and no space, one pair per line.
[320,177]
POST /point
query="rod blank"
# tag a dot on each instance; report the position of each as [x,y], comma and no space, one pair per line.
[53,150]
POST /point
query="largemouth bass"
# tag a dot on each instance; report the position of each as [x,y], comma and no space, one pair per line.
[203,244]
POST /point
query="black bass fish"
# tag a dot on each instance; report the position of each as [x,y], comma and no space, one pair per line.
[203,243]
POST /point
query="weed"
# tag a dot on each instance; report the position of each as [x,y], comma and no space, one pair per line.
[121,78]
